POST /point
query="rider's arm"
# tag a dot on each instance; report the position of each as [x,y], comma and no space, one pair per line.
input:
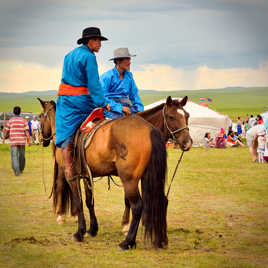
[134,97]
[94,87]
[105,80]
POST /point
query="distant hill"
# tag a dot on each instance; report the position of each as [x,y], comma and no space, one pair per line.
[149,91]
[46,92]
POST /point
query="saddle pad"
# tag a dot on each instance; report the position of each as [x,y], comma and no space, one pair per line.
[90,122]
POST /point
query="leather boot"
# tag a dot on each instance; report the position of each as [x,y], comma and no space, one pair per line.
[70,171]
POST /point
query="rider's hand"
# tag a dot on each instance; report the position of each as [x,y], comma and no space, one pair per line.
[107,108]
[126,110]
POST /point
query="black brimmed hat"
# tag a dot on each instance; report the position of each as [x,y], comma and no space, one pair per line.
[91,32]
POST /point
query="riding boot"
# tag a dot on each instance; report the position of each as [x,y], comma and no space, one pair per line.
[70,171]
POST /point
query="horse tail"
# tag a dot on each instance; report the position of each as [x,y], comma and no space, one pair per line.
[61,188]
[153,193]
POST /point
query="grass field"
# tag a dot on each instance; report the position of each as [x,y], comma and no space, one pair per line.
[217,216]
[233,102]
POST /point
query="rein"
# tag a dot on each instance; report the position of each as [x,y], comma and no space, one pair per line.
[166,124]
[175,172]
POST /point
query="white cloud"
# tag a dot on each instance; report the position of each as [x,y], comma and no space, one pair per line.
[163,77]
[22,77]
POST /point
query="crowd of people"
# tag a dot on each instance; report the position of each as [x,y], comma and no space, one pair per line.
[245,129]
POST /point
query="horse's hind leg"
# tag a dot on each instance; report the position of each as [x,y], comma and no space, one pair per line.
[93,230]
[134,198]
[125,218]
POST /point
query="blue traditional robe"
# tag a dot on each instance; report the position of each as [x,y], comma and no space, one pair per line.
[79,69]
[116,89]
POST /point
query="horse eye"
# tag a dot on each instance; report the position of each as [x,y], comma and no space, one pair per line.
[171,118]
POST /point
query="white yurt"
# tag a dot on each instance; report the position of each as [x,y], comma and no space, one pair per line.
[202,120]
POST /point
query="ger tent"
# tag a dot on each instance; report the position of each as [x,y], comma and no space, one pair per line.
[202,120]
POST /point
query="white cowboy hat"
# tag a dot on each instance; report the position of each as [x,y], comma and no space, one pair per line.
[122,52]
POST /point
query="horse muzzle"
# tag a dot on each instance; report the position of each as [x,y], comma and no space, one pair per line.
[186,144]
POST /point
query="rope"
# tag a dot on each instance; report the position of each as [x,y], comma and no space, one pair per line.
[175,172]
[43,173]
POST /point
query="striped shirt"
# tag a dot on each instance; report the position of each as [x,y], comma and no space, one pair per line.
[16,127]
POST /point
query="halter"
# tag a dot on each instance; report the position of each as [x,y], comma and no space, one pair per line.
[46,116]
[170,131]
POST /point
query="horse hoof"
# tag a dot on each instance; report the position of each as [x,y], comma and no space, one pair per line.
[77,237]
[126,246]
[60,219]
[92,232]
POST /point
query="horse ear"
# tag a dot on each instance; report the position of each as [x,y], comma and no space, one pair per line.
[169,100]
[53,103]
[41,102]
[184,101]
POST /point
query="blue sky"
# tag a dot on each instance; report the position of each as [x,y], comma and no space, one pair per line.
[179,44]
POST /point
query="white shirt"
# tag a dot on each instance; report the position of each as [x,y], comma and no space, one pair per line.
[35,124]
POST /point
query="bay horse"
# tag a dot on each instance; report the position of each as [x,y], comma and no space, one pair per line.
[171,120]
[128,147]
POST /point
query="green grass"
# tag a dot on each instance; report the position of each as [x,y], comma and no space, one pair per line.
[217,216]
[233,102]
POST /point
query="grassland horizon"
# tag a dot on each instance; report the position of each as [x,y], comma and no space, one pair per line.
[233,102]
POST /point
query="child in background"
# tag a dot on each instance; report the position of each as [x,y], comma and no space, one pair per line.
[208,141]
[261,145]
[239,126]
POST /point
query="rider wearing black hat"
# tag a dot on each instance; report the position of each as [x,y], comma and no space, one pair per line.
[79,93]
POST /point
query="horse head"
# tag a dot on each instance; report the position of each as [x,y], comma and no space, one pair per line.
[176,122]
[47,121]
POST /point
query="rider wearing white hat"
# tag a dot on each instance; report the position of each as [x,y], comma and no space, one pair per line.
[119,86]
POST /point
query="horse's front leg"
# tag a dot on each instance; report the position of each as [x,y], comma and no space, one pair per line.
[58,198]
[93,230]
[125,218]
[78,203]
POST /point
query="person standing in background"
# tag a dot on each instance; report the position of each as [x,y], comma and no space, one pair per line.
[239,126]
[29,126]
[261,145]
[35,125]
[16,128]
[251,121]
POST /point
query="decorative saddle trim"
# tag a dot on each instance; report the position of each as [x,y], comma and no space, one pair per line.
[92,120]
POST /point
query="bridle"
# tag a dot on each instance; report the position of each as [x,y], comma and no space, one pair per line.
[168,128]
[42,127]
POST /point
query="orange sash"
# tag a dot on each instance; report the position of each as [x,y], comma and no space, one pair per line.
[66,89]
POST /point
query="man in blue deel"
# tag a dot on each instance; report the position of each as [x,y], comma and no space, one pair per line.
[79,93]
[119,86]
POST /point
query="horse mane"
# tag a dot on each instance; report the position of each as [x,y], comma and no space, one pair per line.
[152,110]
[158,107]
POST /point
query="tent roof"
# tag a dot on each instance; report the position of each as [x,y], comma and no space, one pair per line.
[265,116]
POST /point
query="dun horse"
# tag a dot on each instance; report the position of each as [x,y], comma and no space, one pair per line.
[130,148]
